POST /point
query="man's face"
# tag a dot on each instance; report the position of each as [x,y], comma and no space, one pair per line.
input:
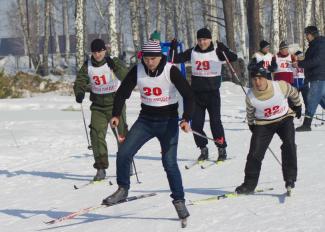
[152,62]
[309,37]
[99,56]
[266,49]
[204,43]
[259,83]
[284,51]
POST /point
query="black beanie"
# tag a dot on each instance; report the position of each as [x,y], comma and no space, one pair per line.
[283,45]
[264,44]
[97,45]
[203,33]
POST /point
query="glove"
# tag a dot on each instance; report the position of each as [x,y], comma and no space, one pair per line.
[251,128]
[260,64]
[297,110]
[222,47]
[80,97]
[173,44]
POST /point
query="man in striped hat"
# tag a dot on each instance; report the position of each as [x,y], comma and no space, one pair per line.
[158,82]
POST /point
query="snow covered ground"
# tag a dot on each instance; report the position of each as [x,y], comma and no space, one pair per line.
[43,153]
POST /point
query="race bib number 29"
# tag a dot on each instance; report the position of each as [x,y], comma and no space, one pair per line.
[202,65]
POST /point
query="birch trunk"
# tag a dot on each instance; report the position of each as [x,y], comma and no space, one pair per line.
[214,27]
[113,41]
[299,22]
[79,33]
[283,19]
[190,23]
[134,24]
[169,20]
[242,22]
[275,36]
[66,30]
[319,16]
[147,13]
[158,16]
[308,19]
[45,64]
[252,8]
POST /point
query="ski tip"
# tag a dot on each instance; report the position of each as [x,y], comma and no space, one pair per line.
[186,167]
[49,222]
[75,187]
[110,182]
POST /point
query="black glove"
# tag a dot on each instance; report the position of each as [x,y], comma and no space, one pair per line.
[80,97]
[297,110]
[222,47]
[173,44]
[251,128]
[260,64]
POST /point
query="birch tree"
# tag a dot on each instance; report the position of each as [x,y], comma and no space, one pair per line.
[189,23]
[158,16]
[147,13]
[275,36]
[112,38]
[319,16]
[308,19]
[283,11]
[169,19]
[134,24]
[242,23]
[214,27]
[299,23]
[66,30]
[47,12]
[79,22]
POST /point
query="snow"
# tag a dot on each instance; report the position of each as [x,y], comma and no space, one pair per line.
[43,153]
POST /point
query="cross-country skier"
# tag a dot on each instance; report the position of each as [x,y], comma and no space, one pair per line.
[206,62]
[263,58]
[103,74]
[158,83]
[268,113]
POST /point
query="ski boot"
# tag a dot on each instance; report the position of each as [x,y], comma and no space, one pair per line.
[182,211]
[119,195]
[222,154]
[244,188]
[204,154]
[290,184]
[100,175]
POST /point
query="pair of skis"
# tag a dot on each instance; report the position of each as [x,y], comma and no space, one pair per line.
[204,164]
[92,182]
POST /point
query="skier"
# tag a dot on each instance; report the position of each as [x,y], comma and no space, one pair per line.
[314,67]
[284,62]
[206,62]
[268,113]
[103,74]
[264,59]
[299,79]
[158,82]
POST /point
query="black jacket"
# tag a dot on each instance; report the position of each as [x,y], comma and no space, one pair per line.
[176,77]
[200,84]
[314,62]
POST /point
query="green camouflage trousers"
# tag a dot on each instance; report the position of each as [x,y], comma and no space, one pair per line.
[100,118]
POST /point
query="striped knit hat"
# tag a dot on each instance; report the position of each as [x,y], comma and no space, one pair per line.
[151,48]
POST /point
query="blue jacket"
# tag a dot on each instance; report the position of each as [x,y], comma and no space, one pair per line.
[314,62]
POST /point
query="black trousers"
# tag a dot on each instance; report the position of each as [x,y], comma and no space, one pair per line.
[209,101]
[261,138]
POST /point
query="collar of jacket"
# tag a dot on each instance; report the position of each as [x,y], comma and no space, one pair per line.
[209,49]
[159,69]
[95,63]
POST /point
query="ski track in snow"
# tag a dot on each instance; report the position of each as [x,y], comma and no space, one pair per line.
[43,152]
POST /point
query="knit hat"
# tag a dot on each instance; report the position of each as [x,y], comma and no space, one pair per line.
[261,72]
[264,44]
[151,48]
[97,45]
[311,30]
[155,36]
[203,33]
[283,45]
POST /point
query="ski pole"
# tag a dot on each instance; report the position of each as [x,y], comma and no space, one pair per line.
[233,71]
[203,136]
[83,117]
[133,163]
[235,74]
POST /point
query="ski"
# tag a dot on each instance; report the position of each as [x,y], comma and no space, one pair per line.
[93,208]
[320,119]
[92,182]
[225,196]
[194,163]
[212,163]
